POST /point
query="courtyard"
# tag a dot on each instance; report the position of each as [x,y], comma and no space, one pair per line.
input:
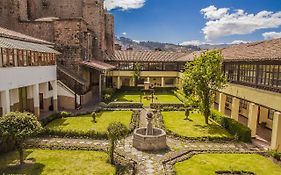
[146,98]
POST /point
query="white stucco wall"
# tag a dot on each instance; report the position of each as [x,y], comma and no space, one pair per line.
[15,77]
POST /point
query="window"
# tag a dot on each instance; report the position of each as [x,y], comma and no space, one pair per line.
[231,71]
[271,114]
[243,104]
[170,66]
[268,75]
[155,66]
[248,73]
[126,66]
[228,99]
[169,81]
[5,57]
[144,66]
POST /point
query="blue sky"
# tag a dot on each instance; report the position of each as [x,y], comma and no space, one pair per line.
[197,21]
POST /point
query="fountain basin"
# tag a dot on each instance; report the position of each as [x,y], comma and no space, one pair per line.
[154,142]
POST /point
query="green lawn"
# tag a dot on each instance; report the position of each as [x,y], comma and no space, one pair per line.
[207,164]
[54,162]
[159,97]
[195,127]
[85,122]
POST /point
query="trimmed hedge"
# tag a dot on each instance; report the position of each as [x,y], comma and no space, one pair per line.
[166,105]
[241,132]
[125,105]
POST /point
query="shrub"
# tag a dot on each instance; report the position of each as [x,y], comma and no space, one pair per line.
[65,114]
[243,133]
[94,116]
[125,105]
[166,105]
[275,154]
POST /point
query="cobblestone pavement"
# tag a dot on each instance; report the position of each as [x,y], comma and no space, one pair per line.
[149,163]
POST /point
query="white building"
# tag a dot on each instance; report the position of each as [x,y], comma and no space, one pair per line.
[28,80]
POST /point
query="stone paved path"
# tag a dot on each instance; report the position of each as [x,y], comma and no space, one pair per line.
[57,142]
[150,163]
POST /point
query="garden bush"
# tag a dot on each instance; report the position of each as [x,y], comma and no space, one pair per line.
[275,154]
[243,133]
[166,105]
[125,105]
[108,94]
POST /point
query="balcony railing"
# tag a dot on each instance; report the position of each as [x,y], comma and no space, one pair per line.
[22,58]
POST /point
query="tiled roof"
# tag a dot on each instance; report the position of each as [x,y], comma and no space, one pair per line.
[257,51]
[19,36]
[99,65]
[156,56]
[24,45]
[264,50]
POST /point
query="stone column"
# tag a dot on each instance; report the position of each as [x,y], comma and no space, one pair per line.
[222,100]
[133,82]
[276,132]
[148,79]
[5,99]
[55,95]
[36,100]
[162,82]
[118,82]
[235,108]
[253,118]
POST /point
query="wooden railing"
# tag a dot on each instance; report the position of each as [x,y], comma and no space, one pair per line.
[22,58]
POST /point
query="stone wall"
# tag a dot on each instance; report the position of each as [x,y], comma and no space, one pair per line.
[8,13]
[94,15]
[109,33]
[54,8]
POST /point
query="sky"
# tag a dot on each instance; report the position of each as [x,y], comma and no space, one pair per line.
[196,21]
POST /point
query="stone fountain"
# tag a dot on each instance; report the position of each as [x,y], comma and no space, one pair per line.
[149,138]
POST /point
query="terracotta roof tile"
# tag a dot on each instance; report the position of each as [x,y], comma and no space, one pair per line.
[19,36]
[263,50]
[153,56]
[99,65]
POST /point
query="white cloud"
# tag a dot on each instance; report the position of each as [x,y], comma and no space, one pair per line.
[212,12]
[124,33]
[192,42]
[221,22]
[123,4]
[271,35]
[239,42]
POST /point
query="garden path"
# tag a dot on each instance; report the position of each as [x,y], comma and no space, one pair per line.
[151,163]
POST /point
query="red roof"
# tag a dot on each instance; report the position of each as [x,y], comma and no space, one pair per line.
[99,65]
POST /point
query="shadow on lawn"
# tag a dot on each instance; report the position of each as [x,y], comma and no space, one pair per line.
[58,123]
[211,128]
[12,165]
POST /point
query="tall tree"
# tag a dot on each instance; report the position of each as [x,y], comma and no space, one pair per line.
[204,76]
[18,127]
[115,132]
[137,73]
